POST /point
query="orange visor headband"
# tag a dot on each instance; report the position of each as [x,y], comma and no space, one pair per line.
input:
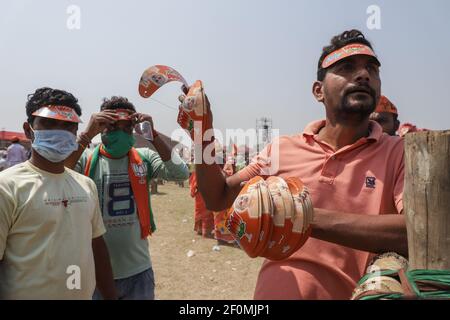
[61,113]
[347,51]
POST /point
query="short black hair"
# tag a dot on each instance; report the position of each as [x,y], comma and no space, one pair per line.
[48,96]
[337,42]
[116,102]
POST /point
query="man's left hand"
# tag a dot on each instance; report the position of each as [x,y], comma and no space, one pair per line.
[141,117]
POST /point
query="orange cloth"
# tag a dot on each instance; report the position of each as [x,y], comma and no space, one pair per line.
[137,172]
[364,178]
[408,128]
[220,229]
[203,218]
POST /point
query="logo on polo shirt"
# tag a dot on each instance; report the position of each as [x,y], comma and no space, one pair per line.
[64,201]
[370,182]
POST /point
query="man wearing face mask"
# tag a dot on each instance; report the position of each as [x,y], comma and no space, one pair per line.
[122,174]
[51,244]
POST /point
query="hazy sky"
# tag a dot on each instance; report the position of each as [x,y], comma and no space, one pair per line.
[256,58]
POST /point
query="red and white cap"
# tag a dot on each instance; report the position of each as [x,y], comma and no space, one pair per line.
[347,51]
[62,113]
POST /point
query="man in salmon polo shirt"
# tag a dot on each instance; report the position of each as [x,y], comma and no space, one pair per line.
[354,173]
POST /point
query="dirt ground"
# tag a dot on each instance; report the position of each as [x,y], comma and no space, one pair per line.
[225,274]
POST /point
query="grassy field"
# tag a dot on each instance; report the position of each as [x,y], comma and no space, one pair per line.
[225,274]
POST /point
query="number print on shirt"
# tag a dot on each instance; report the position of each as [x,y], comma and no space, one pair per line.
[121,199]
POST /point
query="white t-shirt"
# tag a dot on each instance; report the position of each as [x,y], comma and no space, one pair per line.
[47,223]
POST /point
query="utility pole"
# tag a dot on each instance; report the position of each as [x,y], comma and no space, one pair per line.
[263,132]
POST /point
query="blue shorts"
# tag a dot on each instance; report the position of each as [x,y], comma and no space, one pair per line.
[141,286]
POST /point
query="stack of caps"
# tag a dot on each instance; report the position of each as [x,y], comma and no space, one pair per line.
[387,261]
[271,218]
[381,276]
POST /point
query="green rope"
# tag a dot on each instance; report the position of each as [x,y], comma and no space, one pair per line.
[389,296]
[440,277]
[437,277]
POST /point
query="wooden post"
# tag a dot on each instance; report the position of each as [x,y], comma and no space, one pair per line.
[427,199]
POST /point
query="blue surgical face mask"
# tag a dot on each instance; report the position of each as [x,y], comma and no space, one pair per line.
[54,145]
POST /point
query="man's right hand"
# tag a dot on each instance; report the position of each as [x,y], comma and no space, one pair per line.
[99,121]
[209,124]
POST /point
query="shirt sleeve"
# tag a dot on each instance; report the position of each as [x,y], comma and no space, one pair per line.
[98,228]
[7,208]
[174,169]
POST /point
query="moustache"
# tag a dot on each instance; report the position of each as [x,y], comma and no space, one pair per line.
[362,88]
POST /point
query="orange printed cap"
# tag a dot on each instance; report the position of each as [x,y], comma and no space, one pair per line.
[62,113]
[155,77]
[347,51]
[385,105]
[244,219]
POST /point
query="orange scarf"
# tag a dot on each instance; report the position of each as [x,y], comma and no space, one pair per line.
[137,172]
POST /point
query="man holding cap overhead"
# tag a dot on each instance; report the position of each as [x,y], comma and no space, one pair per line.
[353,171]
[50,221]
[386,115]
[122,174]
